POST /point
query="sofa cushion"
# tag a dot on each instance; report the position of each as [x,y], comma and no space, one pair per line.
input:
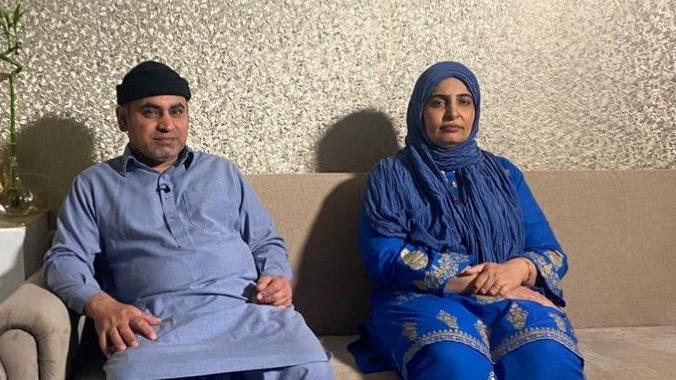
[344,367]
[629,353]
[617,228]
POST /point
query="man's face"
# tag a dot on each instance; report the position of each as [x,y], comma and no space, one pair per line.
[157,127]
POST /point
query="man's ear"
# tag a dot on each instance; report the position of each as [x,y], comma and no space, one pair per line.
[121,114]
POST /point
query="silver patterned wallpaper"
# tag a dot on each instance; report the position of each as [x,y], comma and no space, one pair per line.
[302,86]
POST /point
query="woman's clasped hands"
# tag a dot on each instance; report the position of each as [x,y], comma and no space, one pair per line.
[511,279]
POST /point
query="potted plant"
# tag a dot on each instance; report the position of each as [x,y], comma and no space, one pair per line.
[15,198]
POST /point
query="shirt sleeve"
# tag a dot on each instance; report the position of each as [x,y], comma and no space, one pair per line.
[397,264]
[258,231]
[69,263]
[541,246]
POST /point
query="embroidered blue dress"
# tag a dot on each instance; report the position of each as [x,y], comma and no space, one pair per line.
[410,309]
[430,213]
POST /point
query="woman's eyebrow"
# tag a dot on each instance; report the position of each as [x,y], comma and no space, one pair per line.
[446,96]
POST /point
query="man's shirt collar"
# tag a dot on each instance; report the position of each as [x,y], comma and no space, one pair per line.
[185,158]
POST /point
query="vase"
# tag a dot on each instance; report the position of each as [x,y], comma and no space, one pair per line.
[16,200]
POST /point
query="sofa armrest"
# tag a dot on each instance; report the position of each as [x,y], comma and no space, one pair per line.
[37,311]
[18,355]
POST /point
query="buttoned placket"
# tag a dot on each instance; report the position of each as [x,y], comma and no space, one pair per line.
[167,193]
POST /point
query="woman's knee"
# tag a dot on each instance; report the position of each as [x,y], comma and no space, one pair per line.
[541,359]
[448,360]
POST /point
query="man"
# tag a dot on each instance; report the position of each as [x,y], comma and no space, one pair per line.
[194,279]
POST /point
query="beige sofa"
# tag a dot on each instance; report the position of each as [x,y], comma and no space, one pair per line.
[618,228]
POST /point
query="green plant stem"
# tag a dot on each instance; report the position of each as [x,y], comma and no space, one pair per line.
[12,116]
[9,29]
[12,113]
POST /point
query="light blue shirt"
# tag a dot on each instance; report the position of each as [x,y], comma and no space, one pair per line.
[186,245]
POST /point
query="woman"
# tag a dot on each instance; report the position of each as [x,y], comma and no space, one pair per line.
[467,267]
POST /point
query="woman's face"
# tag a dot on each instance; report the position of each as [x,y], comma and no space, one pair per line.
[449,114]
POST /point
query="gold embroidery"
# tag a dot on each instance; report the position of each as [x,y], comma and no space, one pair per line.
[517,316]
[532,334]
[556,258]
[507,345]
[484,331]
[452,335]
[487,299]
[450,320]
[410,330]
[546,271]
[403,297]
[448,265]
[415,260]
[560,323]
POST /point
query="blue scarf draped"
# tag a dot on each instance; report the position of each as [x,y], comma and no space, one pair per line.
[408,196]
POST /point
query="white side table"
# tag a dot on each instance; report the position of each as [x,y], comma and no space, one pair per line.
[21,252]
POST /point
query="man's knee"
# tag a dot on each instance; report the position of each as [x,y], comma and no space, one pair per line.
[449,360]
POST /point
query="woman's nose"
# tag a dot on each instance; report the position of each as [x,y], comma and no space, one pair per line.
[451,111]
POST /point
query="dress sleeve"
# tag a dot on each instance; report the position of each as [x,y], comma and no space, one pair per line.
[541,246]
[69,263]
[397,264]
[258,231]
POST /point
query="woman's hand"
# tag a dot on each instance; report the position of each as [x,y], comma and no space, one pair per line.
[492,279]
[525,293]
[460,284]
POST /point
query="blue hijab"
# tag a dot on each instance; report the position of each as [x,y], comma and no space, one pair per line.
[408,197]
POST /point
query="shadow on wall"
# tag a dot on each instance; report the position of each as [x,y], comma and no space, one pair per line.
[51,152]
[331,267]
[356,143]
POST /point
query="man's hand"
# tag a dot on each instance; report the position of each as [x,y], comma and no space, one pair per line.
[497,279]
[274,290]
[116,323]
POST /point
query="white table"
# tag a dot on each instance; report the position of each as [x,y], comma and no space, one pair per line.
[21,251]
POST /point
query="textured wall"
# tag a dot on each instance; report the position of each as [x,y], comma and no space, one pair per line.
[299,86]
